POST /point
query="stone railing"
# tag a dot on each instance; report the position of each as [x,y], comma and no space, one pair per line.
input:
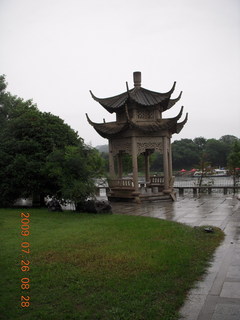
[156,180]
[121,184]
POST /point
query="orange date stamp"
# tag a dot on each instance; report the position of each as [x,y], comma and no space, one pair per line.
[25,262]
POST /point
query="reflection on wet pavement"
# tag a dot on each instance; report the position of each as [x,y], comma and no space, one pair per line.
[204,210]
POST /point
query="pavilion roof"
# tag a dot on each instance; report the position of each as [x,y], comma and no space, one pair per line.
[141,96]
[110,129]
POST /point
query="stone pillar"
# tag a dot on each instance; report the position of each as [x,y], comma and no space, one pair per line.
[147,171]
[166,163]
[170,164]
[135,163]
[111,161]
[120,166]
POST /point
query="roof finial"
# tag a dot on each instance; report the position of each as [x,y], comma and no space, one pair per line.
[137,78]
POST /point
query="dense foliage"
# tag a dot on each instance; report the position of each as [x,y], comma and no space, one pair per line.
[40,154]
[189,153]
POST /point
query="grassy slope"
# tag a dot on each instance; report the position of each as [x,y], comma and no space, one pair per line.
[100,266]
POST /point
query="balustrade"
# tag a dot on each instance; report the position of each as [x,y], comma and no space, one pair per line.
[157,180]
[121,184]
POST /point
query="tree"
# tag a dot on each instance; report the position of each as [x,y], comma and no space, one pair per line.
[185,154]
[228,139]
[27,139]
[193,153]
[73,169]
[200,142]
[234,161]
[216,153]
[234,156]
[156,162]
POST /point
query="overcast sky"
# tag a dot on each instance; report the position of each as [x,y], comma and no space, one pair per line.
[55,51]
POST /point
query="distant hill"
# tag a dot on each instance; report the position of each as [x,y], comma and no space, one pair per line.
[102,148]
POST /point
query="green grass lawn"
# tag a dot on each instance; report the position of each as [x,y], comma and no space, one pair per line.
[111,267]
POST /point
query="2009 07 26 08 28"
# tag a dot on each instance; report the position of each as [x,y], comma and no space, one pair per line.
[25,263]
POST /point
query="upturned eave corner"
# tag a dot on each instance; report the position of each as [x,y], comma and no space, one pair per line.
[173,87]
[89,120]
[172,102]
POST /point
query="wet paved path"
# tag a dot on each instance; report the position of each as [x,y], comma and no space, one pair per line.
[217,297]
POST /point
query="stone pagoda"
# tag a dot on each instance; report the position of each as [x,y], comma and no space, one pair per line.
[139,129]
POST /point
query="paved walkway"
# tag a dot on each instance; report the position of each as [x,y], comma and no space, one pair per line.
[217,297]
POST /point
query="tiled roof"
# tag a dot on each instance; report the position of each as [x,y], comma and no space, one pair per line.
[139,95]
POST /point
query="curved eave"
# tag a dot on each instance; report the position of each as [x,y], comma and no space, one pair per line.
[166,94]
[175,119]
[180,125]
[108,129]
[112,104]
[172,102]
[173,88]
[89,120]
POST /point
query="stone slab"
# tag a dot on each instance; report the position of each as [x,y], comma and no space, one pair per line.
[234,272]
[231,290]
[226,312]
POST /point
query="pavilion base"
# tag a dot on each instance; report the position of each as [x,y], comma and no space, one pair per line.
[157,197]
[119,195]
[137,197]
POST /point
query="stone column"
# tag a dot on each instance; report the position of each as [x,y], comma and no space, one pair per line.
[135,163]
[111,161]
[147,173]
[166,163]
[170,164]
[120,166]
